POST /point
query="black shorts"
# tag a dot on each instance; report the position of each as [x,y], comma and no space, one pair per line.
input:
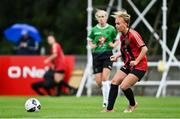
[136,72]
[102,60]
[49,77]
[60,71]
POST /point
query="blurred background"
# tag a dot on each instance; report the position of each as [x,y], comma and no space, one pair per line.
[67,20]
[70,21]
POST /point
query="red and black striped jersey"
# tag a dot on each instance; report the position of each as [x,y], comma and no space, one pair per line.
[131,45]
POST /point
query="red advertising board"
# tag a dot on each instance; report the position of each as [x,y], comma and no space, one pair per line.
[17,73]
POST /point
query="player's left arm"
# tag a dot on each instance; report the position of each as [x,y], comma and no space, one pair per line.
[140,44]
[143,52]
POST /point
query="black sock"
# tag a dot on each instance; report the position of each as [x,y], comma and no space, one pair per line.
[58,88]
[112,96]
[66,84]
[36,87]
[130,96]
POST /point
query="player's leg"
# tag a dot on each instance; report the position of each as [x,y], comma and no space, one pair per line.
[48,80]
[117,79]
[98,78]
[105,85]
[71,89]
[58,78]
[98,63]
[36,87]
[129,81]
[107,67]
[48,84]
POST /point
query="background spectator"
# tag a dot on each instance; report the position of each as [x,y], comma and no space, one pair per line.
[26,45]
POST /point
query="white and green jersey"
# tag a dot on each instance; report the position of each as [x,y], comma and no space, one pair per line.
[102,36]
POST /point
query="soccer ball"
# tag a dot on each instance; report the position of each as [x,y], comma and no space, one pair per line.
[32,105]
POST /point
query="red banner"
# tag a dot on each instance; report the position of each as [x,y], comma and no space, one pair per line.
[17,73]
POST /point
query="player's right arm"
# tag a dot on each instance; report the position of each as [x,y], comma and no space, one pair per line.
[90,43]
[90,40]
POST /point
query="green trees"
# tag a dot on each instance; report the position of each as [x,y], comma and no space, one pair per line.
[67,20]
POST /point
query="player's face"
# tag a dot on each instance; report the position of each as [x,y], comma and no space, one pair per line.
[50,40]
[102,19]
[121,25]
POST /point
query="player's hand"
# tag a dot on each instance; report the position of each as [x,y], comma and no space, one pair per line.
[114,58]
[111,44]
[46,61]
[133,63]
[93,46]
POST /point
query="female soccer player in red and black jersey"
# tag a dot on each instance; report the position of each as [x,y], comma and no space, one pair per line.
[57,60]
[133,53]
[58,69]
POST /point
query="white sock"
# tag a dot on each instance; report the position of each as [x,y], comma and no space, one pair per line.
[105,90]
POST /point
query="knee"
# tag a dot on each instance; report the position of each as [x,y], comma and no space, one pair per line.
[124,87]
[104,78]
[115,82]
[99,83]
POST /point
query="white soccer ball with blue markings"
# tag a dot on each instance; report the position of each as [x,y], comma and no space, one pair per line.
[32,105]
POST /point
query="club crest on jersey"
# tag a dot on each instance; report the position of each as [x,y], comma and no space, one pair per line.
[102,39]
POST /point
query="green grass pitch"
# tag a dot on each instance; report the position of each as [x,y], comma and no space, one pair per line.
[90,107]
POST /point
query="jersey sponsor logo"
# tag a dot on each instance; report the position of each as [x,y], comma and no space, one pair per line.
[26,71]
[97,33]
